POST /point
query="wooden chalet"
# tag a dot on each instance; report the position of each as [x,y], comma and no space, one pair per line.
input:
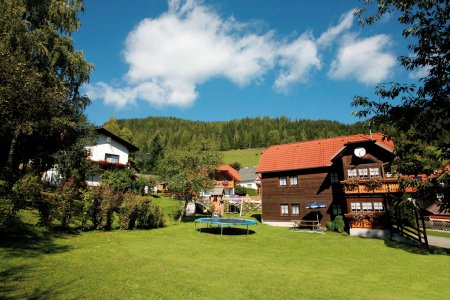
[346,175]
[226,177]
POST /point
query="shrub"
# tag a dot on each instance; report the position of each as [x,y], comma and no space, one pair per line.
[110,201]
[26,191]
[339,224]
[128,211]
[65,202]
[330,226]
[4,188]
[91,199]
[119,180]
[150,215]
[240,190]
[45,206]
[139,212]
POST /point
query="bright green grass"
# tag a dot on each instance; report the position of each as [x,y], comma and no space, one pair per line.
[246,157]
[178,263]
[438,233]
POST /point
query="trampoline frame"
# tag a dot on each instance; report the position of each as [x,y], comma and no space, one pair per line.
[223,222]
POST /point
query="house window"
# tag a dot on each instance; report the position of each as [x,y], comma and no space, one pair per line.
[284,209]
[295,209]
[378,206]
[293,181]
[283,181]
[352,173]
[356,206]
[374,172]
[111,158]
[363,173]
[337,210]
[367,206]
[334,178]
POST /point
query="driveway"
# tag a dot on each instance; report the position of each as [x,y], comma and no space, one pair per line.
[438,241]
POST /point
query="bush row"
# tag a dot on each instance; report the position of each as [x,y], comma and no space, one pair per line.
[98,206]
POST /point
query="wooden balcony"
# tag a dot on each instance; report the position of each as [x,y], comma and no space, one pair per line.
[366,186]
[227,184]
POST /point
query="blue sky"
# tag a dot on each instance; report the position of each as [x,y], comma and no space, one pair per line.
[228,59]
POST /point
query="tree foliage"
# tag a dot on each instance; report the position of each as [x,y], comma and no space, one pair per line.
[40,77]
[419,113]
[421,110]
[149,156]
[244,133]
[187,172]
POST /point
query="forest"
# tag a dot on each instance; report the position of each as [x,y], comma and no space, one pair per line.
[244,133]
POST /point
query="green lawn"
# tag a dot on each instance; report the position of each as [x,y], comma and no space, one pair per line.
[177,262]
[438,233]
[247,157]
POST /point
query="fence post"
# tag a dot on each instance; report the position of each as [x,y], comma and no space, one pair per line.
[416,214]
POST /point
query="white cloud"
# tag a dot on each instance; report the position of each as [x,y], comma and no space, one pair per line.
[297,59]
[365,60]
[420,73]
[345,23]
[169,56]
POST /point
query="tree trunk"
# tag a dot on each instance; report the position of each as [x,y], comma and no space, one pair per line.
[12,148]
[183,211]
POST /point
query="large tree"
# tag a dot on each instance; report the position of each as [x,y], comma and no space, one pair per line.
[41,107]
[418,113]
[187,173]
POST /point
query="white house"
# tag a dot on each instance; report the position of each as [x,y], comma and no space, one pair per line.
[248,177]
[110,151]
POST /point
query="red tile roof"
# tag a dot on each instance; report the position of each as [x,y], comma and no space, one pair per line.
[311,154]
[233,172]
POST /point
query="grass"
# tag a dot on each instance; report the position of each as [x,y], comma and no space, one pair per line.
[176,262]
[246,157]
[438,233]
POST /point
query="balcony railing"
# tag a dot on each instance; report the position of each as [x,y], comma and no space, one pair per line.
[373,186]
[229,184]
[377,220]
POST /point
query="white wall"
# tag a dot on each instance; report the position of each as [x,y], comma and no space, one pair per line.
[110,146]
[248,184]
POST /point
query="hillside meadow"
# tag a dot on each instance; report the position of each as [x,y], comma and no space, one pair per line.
[246,157]
[178,262]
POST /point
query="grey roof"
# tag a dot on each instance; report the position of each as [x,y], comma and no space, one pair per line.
[248,173]
[217,192]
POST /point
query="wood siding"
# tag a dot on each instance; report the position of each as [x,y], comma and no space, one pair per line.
[312,186]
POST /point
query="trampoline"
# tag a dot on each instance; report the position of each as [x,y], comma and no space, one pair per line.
[224,222]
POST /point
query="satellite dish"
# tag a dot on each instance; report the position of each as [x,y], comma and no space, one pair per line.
[360,152]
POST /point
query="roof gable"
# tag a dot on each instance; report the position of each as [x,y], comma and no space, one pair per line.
[312,154]
[231,171]
[129,146]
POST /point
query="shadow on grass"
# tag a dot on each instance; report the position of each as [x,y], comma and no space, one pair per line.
[257,217]
[226,231]
[9,278]
[24,240]
[416,248]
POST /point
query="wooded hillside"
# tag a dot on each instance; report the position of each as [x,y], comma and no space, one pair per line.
[235,134]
